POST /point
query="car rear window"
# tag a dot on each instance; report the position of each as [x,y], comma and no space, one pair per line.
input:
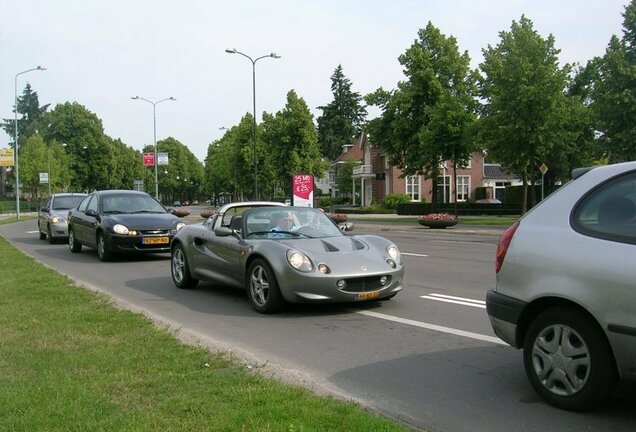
[609,211]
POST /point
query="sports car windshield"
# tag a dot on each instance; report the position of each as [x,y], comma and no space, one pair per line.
[289,223]
[131,204]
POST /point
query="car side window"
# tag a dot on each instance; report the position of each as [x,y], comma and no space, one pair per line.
[92,204]
[84,203]
[609,211]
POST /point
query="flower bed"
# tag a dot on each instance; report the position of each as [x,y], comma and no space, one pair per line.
[437,220]
[181,212]
[206,214]
[338,217]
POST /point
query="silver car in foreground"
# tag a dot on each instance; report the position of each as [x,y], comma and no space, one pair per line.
[566,288]
[285,254]
[53,213]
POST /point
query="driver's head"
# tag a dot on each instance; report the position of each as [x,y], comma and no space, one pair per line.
[285,220]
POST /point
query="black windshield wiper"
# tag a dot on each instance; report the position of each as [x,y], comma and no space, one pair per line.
[147,211]
[114,212]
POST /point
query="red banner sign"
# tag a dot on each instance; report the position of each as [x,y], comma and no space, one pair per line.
[149,159]
[303,187]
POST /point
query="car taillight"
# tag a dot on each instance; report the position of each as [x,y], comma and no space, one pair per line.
[504,242]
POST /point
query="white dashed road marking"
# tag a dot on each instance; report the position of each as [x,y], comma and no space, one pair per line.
[456,300]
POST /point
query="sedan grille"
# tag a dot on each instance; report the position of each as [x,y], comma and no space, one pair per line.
[154,232]
[364,284]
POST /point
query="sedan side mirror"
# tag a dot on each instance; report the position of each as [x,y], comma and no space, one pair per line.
[44,209]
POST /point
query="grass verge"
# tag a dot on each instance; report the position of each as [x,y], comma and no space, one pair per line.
[70,361]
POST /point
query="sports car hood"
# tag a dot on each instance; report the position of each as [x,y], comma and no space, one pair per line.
[145,221]
[320,246]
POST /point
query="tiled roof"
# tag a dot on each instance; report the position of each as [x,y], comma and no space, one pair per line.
[496,172]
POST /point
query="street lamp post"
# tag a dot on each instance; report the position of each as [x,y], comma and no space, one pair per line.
[154,128]
[272,55]
[15,138]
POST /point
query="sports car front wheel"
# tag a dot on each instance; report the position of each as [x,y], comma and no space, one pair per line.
[262,288]
[180,271]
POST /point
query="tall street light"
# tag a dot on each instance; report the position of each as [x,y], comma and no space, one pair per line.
[272,55]
[154,128]
[15,138]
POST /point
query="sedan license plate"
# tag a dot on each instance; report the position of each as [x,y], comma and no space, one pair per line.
[368,295]
[155,240]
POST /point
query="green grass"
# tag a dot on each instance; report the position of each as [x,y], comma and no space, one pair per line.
[463,220]
[70,361]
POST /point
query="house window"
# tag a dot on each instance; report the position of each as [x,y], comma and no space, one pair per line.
[500,190]
[443,189]
[463,188]
[332,177]
[413,187]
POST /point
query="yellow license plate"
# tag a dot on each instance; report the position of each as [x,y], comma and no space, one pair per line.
[368,295]
[155,240]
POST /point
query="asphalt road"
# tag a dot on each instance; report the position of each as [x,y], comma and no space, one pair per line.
[427,357]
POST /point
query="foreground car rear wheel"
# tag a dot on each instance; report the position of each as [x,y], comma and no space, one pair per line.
[568,360]
[179,268]
[262,288]
[73,244]
[102,251]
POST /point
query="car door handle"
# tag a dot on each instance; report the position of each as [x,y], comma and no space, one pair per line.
[198,241]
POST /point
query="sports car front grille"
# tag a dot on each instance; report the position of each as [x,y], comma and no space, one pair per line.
[364,284]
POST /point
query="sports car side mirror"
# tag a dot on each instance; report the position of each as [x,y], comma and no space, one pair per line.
[222,231]
[346,226]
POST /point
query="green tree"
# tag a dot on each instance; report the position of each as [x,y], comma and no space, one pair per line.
[29,107]
[182,178]
[525,107]
[344,175]
[82,132]
[291,143]
[412,129]
[614,92]
[342,118]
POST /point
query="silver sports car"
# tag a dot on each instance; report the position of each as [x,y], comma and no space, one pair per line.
[285,254]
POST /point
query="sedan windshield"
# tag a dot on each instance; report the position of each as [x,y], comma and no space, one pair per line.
[289,223]
[131,204]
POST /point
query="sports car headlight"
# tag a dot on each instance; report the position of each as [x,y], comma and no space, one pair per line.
[180,225]
[394,253]
[299,261]
[120,229]
[58,219]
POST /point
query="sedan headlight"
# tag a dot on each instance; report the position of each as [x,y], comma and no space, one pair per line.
[120,229]
[299,261]
[394,253]
[58,219]
[180,225]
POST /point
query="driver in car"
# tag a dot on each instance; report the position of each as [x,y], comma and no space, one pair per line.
[284,225]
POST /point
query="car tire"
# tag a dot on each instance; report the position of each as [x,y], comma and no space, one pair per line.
[568,360]
[102,250]
[42,235]
[48,234]
[73,244]
[180,269]
[262,288]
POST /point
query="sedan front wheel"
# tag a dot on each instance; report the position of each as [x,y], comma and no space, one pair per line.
[568,360]
[73,244]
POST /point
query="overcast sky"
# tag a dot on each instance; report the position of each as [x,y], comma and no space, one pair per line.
[100,53]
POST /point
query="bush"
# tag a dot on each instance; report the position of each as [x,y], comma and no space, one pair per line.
[391,201]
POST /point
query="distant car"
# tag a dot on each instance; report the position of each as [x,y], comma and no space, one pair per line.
[195,202]
[176,203]
[281,254]
[121,221]
[186,203]
[565,290]
[488,201]
[52,214]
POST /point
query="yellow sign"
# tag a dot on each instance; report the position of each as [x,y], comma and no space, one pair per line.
[543,168]
[6,157]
